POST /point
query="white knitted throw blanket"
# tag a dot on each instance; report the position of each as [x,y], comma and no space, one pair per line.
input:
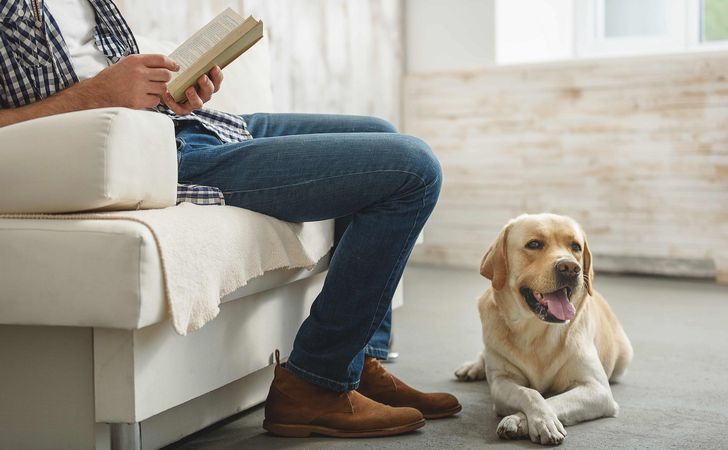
[204,255]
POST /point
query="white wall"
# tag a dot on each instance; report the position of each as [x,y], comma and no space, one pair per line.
[448,35]
[533,30]
[444,35]
[635,149]
[333,56]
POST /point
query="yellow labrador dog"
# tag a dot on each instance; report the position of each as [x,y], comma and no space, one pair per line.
[552,344]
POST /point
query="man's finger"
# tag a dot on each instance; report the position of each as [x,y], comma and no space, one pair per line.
[180,110]
[216,77]
[206,88]
[156,87]
[159,61]
[193,99]
[151,100]
[156,74]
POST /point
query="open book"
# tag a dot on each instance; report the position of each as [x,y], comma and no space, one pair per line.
[218,43]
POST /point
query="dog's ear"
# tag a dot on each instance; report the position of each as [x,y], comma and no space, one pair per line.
[588,267]
[494,265]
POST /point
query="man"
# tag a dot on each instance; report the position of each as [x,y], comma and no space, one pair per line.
[59,56]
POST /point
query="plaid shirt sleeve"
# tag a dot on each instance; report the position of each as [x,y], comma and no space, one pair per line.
[200,195]
[44,49]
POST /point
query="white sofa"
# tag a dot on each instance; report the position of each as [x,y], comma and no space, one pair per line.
[88,358]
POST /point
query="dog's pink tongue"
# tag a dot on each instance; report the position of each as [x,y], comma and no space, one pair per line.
[559,306]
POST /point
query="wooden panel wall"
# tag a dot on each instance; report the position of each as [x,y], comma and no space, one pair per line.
[634,149]
[334,56]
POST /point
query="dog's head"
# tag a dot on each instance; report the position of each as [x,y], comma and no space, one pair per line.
[544,262]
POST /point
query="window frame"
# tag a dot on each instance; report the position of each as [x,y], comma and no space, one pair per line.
[694,29]
[684,34]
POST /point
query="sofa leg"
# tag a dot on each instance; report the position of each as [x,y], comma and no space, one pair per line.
[126,436]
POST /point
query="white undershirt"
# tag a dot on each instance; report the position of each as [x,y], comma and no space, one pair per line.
[77,22]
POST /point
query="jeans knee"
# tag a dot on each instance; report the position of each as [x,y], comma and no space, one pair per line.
[434,178]
[417,159]
[427,164]
[379,125]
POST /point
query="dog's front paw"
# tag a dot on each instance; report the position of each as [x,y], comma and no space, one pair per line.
[514,426]
[471,370]
[545,428]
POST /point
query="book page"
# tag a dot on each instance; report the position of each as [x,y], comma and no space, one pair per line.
[205,39]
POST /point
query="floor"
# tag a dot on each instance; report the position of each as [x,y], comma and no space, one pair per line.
[675,394]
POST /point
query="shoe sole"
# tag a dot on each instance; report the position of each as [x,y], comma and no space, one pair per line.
[286,430]
[443,414]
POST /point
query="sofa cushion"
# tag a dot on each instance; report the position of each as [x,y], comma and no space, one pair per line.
[99,159]
[96,273]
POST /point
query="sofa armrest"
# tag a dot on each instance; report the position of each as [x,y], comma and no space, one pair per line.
[99,159]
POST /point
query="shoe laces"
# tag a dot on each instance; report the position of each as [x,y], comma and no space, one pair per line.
[379,369]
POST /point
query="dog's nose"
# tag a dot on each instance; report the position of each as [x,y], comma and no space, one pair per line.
[568,269]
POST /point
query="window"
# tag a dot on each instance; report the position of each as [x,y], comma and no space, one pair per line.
[628,27]
[623,27]
[627,18]
[541,30]
[713,20]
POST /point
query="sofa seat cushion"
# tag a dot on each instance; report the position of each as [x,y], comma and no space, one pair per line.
[94,273]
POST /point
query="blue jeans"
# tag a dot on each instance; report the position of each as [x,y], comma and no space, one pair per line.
[380,185]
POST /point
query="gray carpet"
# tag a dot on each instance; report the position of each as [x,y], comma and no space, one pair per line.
[675,394]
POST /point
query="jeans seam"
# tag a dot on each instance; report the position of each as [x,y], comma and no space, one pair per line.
[328,381]
[401,253]
[179,153]
[369,172]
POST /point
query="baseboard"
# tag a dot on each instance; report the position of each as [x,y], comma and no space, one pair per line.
[645,265]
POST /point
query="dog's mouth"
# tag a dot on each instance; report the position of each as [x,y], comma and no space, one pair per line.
[554,307]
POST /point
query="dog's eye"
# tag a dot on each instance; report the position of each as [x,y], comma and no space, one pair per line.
[535,244]
[576,247]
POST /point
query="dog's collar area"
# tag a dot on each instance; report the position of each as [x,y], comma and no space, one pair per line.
[541,311]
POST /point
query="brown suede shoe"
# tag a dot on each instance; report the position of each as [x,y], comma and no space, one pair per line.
[296,408]
[381,386]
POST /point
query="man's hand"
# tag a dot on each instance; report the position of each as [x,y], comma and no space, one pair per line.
[136,81]
[196,95]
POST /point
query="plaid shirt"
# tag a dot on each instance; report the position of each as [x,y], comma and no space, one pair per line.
[35,64]
[201,195]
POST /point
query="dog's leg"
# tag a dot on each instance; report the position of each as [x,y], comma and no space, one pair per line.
[530,415]
[472,370]
[586,401]
[623,358]
[514,426]
[589,396]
